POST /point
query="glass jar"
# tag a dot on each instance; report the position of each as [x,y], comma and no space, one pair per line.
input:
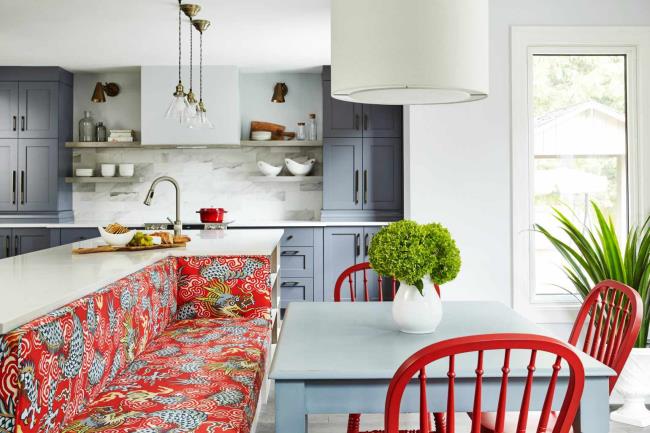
[300,134]
[312,134]
[87,127]
[101,132]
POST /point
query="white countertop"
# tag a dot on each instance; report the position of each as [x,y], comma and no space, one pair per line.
[36,283]
[237,224]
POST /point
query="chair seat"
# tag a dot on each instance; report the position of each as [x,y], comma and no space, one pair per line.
[488,422]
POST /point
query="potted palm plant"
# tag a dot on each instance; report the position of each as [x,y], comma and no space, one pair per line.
[419,256]
[593,255]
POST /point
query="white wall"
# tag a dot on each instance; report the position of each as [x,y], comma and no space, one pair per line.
[305,96]
[458,156]
[119,112]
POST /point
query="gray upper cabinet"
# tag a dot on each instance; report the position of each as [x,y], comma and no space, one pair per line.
[382,173]
[38,109]
[340,119]
[37,178]
[382,120]
[8,174]
[9,109]
[342,166]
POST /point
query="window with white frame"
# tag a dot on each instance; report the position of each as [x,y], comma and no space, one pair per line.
[575,140]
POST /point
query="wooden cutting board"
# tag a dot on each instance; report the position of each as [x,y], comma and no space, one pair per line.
[111,249]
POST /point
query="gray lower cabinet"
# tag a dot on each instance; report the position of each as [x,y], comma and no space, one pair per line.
[69,236]
[296,290]
[23,240]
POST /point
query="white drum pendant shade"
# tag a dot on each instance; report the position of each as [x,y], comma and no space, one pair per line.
[402,52]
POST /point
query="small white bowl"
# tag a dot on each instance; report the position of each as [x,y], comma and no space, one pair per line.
[126,170]
[108,170]
[268,169]
[261,135]
[116,240]
[297,168]
[84,172]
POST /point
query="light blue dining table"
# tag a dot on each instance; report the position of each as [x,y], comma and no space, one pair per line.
[340,358]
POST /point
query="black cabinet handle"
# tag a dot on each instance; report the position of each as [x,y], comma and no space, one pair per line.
[13,182]
[357,121]
[16,248]
[15,122]
[365,186]
[7,247]
[365,121]
[356,186]
[289,253]
[366,244]
[357,245]
[22,123]
[289,237]
[22,186]
[289,284]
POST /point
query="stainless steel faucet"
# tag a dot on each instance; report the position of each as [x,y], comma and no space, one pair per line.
[147,201]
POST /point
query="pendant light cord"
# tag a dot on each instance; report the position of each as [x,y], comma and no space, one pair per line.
[191,50]
[179,41]
[201,67]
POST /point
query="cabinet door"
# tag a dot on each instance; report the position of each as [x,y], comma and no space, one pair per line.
[37,174]
[341,249]
[9,109]
[340,118]
[342,165]
[5,243]
[69,236]
[38,110]
[8,174]
[373,277]
[382,120]
[296,290]
[30,240]
[382,173]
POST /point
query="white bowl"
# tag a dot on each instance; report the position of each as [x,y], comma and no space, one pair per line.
[108,170]
[299,169]
[260,135]
[116,240]
[83,172]
[268,169]
[126,170]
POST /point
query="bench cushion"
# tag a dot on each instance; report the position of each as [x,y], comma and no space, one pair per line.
[200,375]
[52,367]
[226,286]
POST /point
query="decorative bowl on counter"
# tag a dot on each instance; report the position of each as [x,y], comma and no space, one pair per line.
[268,169]
[116,240]
[84,172]
[299,168]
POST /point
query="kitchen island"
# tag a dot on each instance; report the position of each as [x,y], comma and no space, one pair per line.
[37,283]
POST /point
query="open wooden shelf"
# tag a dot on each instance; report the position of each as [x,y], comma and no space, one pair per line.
[282,143]
[98,179]
[303,179]
[138,145]
[103,145]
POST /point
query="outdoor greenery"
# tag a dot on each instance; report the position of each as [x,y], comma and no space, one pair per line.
[409,251]
[593,255]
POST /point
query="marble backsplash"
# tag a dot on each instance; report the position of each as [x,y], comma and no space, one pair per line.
[208,178]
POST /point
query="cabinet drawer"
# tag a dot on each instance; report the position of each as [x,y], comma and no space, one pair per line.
[298,237]
[297,262]
[296,290]
[69,236]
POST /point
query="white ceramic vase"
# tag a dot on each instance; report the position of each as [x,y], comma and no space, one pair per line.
[416,313]
[634,386]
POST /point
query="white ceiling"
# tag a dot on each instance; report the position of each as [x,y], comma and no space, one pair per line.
[95,35]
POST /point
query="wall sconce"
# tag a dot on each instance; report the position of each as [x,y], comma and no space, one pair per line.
[101,90]
[279,92]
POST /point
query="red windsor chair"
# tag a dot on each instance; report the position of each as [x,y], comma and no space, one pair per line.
[349,274]
[418,362]
[610,319]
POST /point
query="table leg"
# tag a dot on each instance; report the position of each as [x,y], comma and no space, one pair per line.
[593,415]
[290,412]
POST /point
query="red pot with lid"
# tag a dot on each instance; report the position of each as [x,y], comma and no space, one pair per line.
[211,214]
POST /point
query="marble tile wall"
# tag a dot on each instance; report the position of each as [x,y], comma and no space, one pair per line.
[208,177]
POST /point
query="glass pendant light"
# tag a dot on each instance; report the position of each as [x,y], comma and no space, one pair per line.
[178,106]
[190,10]
[201,120]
